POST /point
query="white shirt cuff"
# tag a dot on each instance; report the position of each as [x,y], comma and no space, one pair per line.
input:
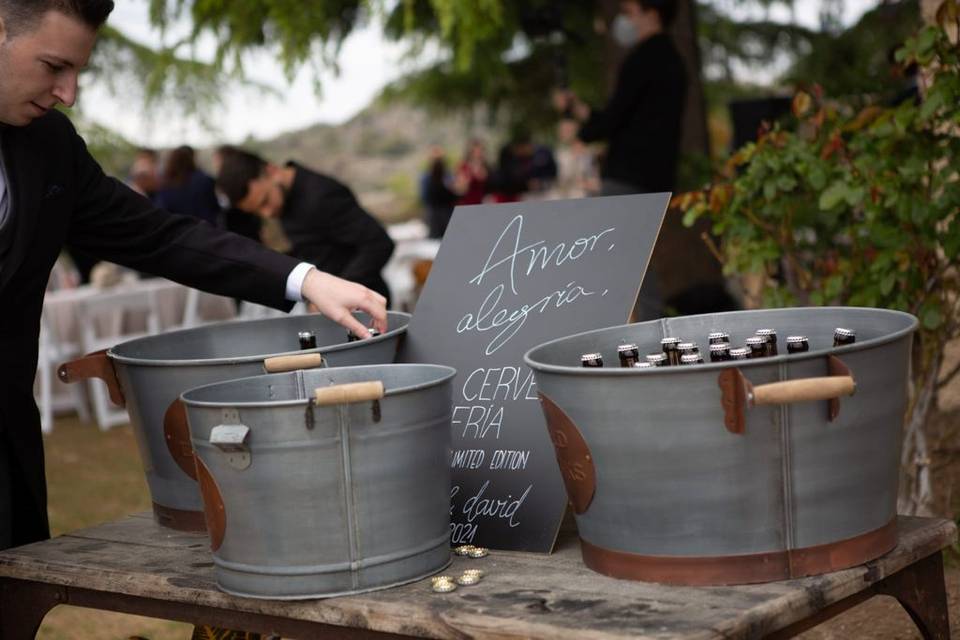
[295,281]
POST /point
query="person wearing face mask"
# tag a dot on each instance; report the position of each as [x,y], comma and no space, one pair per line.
[641,121]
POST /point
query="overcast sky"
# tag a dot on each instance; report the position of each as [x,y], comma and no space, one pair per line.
[367,64]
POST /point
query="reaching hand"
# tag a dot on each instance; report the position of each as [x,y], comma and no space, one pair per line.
[337,298]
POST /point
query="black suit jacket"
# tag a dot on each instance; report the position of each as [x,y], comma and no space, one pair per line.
[61,196]
[327,226]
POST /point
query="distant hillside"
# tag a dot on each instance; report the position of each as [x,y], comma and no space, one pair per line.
[380,153]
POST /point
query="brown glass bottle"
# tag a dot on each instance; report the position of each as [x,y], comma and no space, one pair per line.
[720,352]
[591,360]
[629,354]
[757,347]
[770,335]
[657,359]
[669,346]
[718,337]
[842,337]
[308,340]
[739,353]
[797,344]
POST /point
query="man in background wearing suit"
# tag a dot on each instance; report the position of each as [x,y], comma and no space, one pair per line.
[52,192]
[320,215]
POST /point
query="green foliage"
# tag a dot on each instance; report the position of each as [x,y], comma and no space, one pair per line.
[854,207]
[856,63]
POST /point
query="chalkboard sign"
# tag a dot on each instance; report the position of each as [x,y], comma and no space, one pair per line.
[507,278]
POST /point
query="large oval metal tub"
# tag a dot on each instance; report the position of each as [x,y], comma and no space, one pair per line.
[683,475]
[325,482]
[149,374]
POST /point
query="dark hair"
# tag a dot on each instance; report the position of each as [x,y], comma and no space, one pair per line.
[438,171]
[180,165]
[20,16]
[667,9]
[237,169]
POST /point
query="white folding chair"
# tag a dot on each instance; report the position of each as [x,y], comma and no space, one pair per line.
[105,321]
[253,311]
[52,351]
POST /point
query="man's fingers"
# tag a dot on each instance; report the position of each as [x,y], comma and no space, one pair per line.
[376,306]
[354,326]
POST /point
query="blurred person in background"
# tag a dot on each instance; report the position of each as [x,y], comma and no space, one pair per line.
[320,215]
[230,218]
[523,168]
[641,122]
[144,176]
[185,188]
[473,174]
[439,199]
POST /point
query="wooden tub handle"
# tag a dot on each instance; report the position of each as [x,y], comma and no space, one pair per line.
[347,393]
[737,393]
[803,390]
[279,364]
[94,365]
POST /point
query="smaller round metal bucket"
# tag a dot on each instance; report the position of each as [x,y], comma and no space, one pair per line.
[147,375]
[325,482]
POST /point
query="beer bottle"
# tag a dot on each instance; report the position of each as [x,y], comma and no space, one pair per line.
[843,336]
[687,348]
[591,360]
[373,332]
[797,344]
[657,359]
[739,353]
[690,358]
[718,337]
[757,346]
[641,365]
[720,352]
[307,340]
[669,346]
[629,354]
[770,335]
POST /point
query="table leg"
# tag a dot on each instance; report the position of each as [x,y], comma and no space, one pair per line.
[23,606]
[921,590]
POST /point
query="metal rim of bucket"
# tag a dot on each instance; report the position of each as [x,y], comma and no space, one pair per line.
[449,373]
[712,366]
[144,362]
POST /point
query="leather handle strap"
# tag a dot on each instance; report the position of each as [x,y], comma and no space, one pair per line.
[280,364]
[348,393]
[94,365]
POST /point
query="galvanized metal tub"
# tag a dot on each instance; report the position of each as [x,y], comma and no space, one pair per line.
[149,374]
[325,482]
[707,474]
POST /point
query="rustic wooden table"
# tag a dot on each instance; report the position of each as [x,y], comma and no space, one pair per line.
[134,566]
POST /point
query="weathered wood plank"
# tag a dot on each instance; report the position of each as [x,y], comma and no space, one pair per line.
[523,595]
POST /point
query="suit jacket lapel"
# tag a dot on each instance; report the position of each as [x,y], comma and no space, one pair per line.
[25,183]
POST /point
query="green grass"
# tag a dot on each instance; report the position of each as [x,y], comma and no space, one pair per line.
[95,477]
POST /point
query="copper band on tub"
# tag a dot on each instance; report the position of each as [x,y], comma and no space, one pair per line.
[742,569]
[573,456]
[176,433]
[179,519]
[213,508]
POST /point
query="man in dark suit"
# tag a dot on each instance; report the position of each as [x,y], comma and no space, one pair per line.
[319,214]
[52,192]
